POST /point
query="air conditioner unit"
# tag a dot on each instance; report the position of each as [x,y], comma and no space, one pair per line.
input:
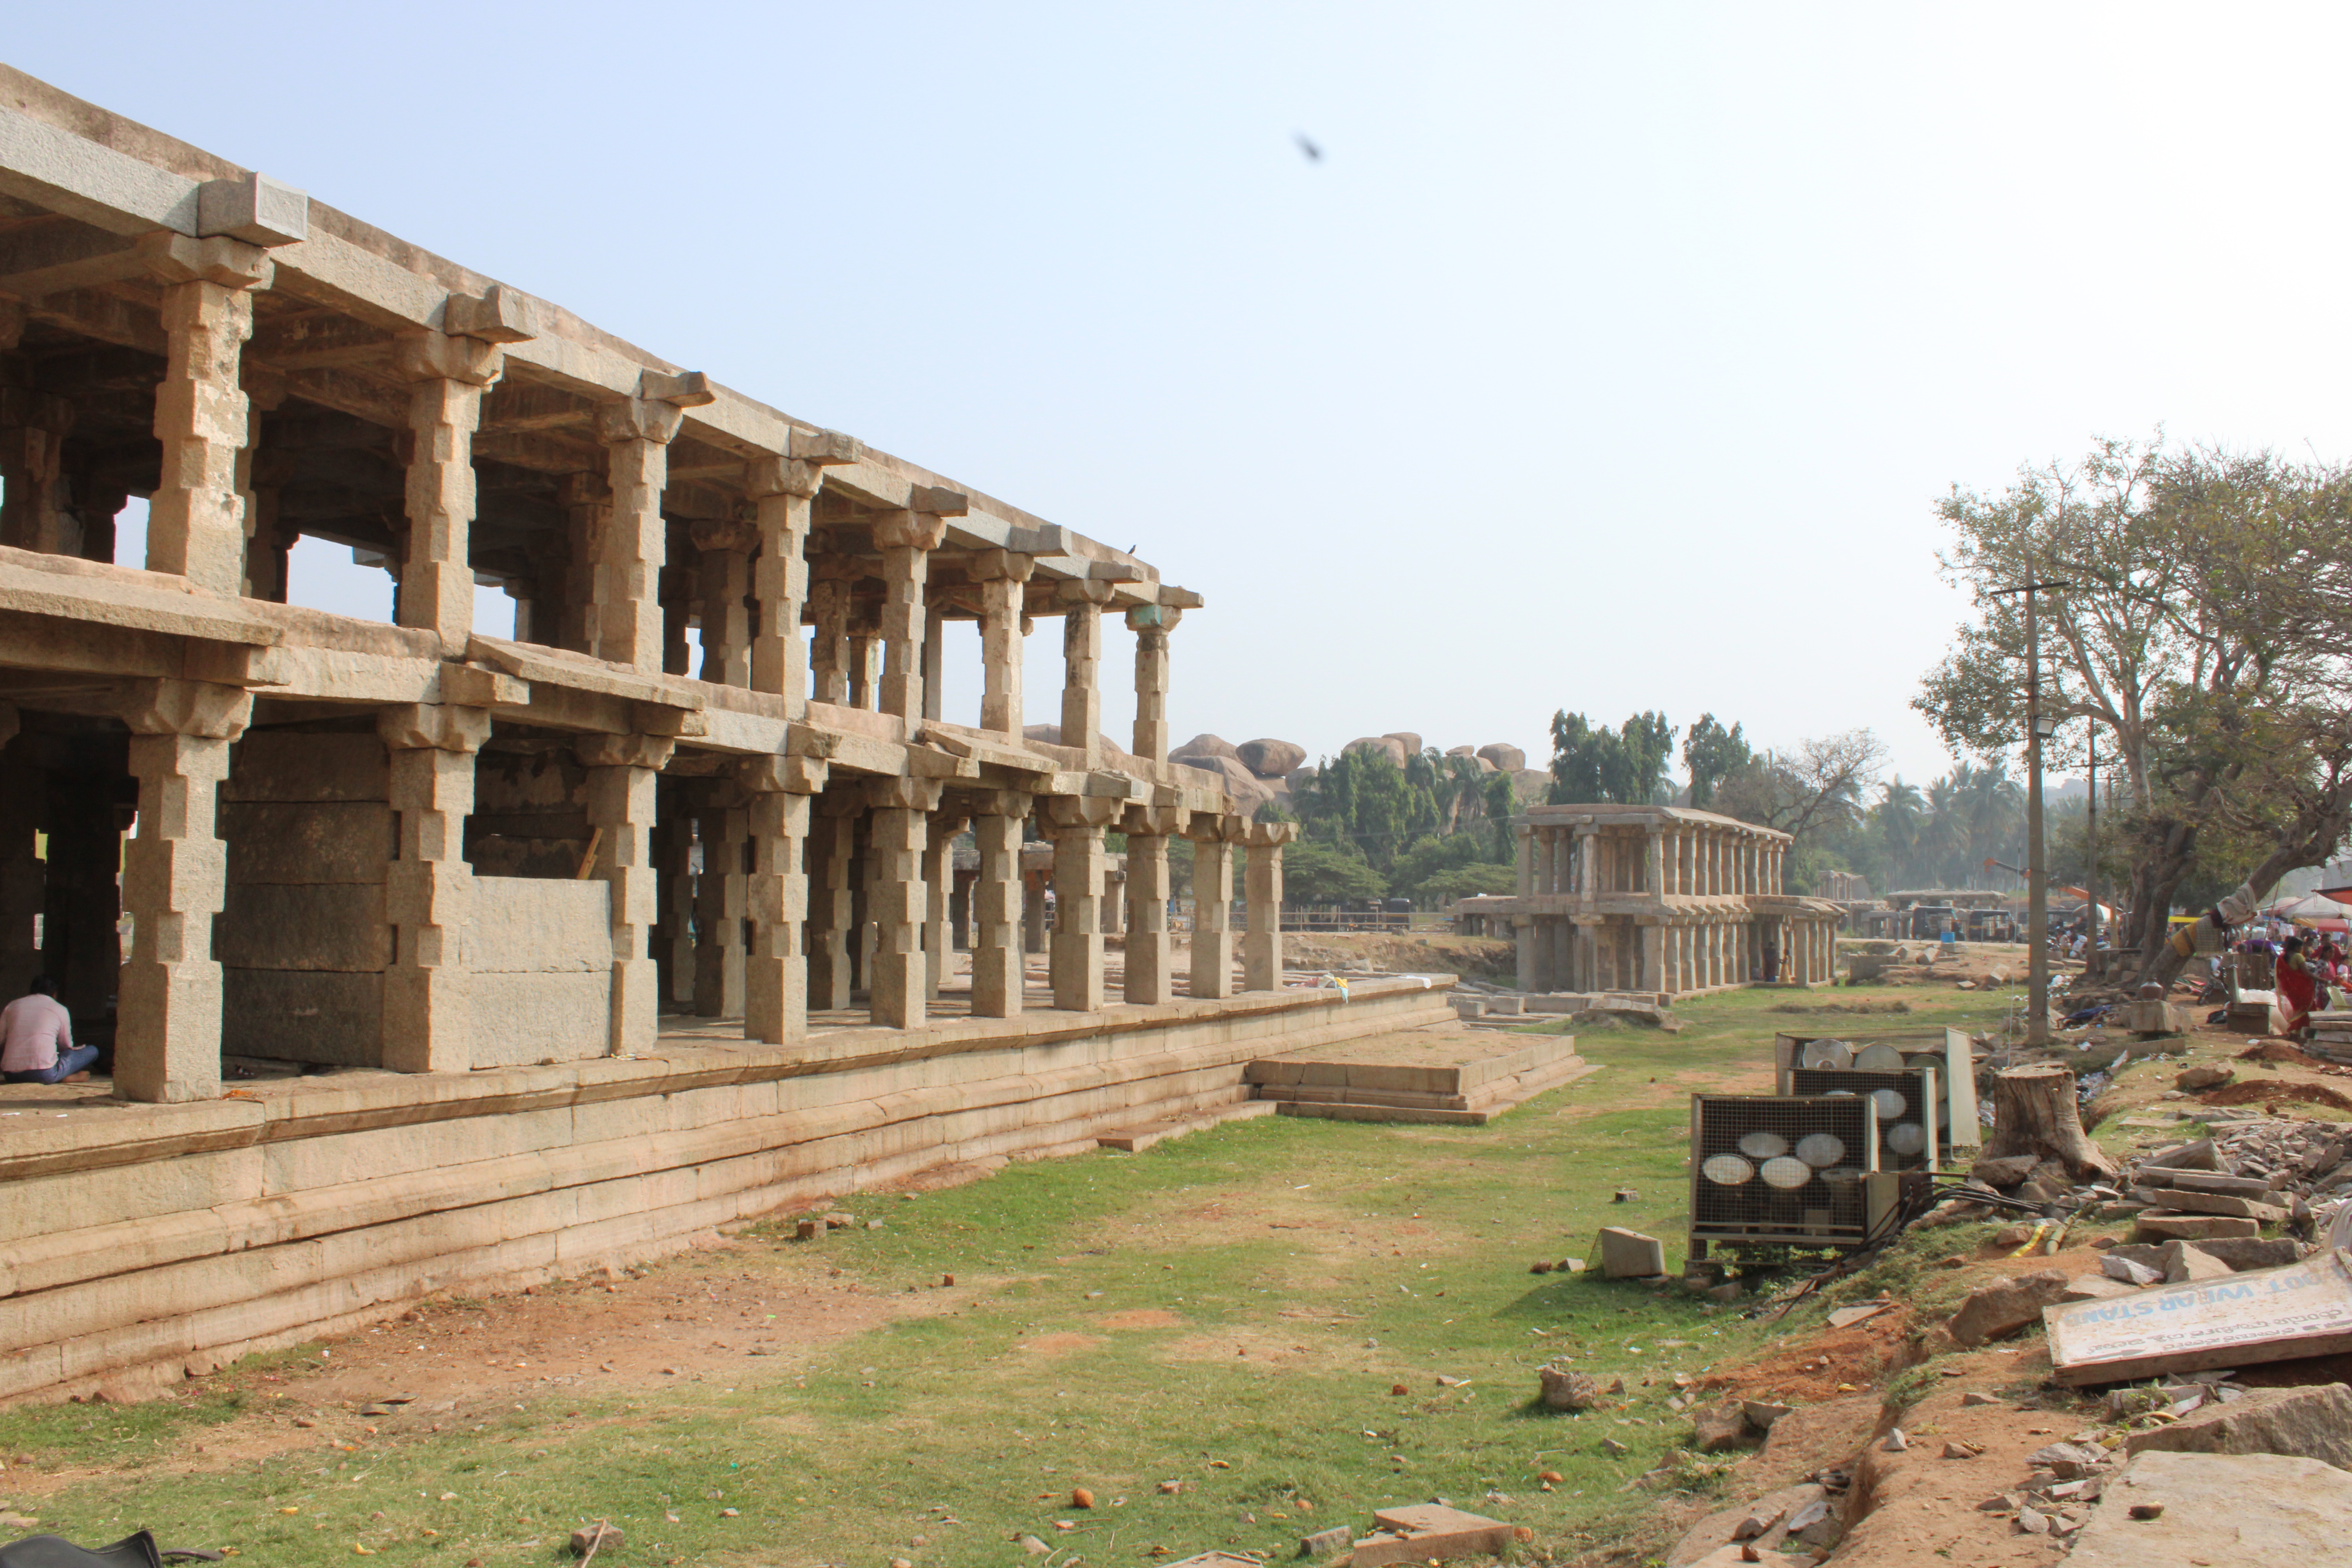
[1907,1103]
[1787,1169]
[1948,1051]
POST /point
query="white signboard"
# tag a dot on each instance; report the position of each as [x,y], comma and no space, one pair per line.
[2270,1314]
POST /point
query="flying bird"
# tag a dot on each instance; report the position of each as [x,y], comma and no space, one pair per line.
[1314,154]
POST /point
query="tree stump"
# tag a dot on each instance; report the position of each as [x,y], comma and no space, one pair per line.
[2034,1112]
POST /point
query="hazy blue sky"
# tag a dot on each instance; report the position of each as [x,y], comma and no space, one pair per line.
[1612,357]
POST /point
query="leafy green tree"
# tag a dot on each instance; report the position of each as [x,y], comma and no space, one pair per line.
[1482,879]
[1626,766]
[1324,874]
[1712,753]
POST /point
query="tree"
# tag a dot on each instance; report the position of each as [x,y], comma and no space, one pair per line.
[1625,767]
[1482,878]
[1327,874]
[1819,785]
[1712,753]
[2207,597]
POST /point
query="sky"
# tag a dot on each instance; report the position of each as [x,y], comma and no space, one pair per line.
[1610,358]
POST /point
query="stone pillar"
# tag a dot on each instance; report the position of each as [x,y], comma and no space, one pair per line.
[831,577]
[428,1015]
[1114,899]
[1588,843]
[444,408]
[670,845]
[833,851]
[1654,958]
[861,661]
[906,540]
[996,905]
[677,592]
[626,561]
[935,662]
[776,971]
[1262,947]
[267,542]
[1212,906]
[1151,624]
[196,516]
[96,506]
[723,824]
[1523,924]
[725,593]
[939,888]
[897,905]
[1002,576]
[1033,914]
[23,890]
[1082,600]
[175,881]
[1075,824]
[622,771]
[1151,978]
[34,511]
[783,493]
[1654,867]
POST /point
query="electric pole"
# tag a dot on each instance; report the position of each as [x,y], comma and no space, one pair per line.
[2037,879]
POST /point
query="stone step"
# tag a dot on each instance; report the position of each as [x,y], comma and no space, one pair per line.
[1135,1140]
[1384,1113]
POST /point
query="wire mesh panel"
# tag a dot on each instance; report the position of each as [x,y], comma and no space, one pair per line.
[1780,1168]
[1907,1132]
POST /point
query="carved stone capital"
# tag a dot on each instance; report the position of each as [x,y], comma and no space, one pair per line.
[186,708]
[1159,618]
[909,530]
[624,751]
[231,263]
[1013,802]
[1079,813]
[999,565]
[1075,591]
[433,726]
[903,794]
[1154,821]
[782,775]
[724,533]
[428,355]
[781,477]
[638,419]
[497,316]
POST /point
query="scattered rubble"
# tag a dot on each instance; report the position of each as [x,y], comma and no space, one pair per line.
[1629,1254]
[2219,1509]
[1425,1530]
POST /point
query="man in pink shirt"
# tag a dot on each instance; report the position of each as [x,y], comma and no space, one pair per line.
[37,1039]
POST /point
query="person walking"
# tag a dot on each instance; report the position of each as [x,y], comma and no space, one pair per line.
[37,1039]
[2297,989]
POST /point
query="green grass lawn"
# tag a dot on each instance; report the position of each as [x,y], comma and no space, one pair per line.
[1228,1312]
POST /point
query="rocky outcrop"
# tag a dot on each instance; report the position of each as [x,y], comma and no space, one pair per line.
[1270,758]
[1199,749]
[1384,745]
[1407,739]
[1507,759]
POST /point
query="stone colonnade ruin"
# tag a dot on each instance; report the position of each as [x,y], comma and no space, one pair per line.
[1659,899]
[709,774]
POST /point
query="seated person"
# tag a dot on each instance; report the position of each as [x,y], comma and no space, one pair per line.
[37,1039]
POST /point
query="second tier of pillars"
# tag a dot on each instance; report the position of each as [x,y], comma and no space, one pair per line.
[1002,576]
[906,540]
[1151,624]
[445,405]
[1082,703]
[195,515]
[626,560]
[724,593]
[832,857]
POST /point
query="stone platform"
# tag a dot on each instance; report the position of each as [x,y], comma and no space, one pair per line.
[138,1242]
[1442,1073]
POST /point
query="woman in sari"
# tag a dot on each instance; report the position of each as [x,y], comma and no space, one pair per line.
[2296,988]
